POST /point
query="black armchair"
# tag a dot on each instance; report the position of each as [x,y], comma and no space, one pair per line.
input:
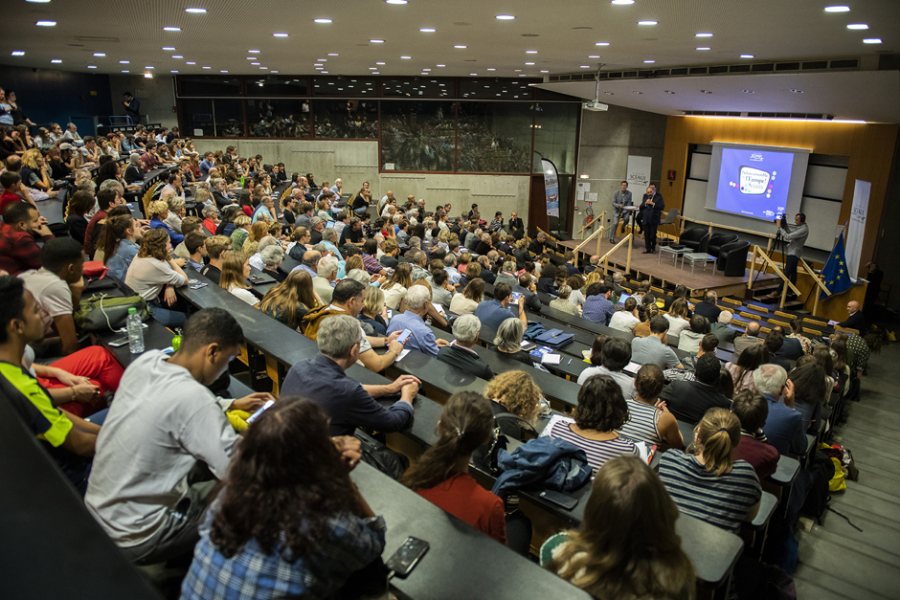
[733,258]
[717,240]
[696,239]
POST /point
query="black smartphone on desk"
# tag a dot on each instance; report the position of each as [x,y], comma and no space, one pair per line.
[558,498]
[407,557]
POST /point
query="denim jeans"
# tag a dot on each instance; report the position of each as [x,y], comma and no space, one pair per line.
[165,316]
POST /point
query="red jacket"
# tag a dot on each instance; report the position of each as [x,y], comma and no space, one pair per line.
[7,198]
[19,250]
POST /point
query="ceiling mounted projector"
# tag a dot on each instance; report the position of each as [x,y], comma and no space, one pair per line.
[595,106]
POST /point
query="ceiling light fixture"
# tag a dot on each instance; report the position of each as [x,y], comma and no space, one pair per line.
[169,49]
[602,44]
[38,1]
[172,71]
[872,41]
[704,34]
[373,68]
[326,73]
[427,30]
[796,91]
[440,65]
[492,69]
[529,64]
[253,51]
[124,62]
[648,22]
[279,35]
[460,47]
[622,2]
[207,67]
[190,62]
[333,54]
[406,57]
[837,9]
[747,56]
[56,61]
[46,23]
[100,54]
[254,64]
[127,71]
[703,48]
[531,52]
[92,66]
[17,53]
[177,56]
[748,91]
[857,26]
[649,62]
[377,41]
[322,21]
[473,74]
[171,28]
[594,56]
[396,1]
[583,66]
[264,68]
[506,17]
[223,71]
[196,11]
[545,71]
[149,67]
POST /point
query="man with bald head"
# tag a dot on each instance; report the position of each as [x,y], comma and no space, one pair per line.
[310,262]
[750,337]
[855,320]
[385,200]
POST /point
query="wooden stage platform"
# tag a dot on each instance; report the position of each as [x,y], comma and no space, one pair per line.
[660,270]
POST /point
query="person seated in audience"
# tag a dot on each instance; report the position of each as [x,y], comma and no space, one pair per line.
[290,300]
[22,226]
[569,265]
[601,411]
[810,392]
[708,345]
[547,281]
[256,261]
[615,354]
[317,226]
[235,271]
[577,283]
[562,304]
[196,246]
[154,272]
[653,349]
[627,545]
[57,287]
[646,311]
[708,307]
[471,270]
[649,420]
[773,343]
[159,212]
[516,393]
[493,312]
[69,439]
[329,239]
[441,474]
[689,400]
[709,484]
[597,306]
[240,233]
[397,286]
[784,425]
[80,204]
[750,338]
[258,231]
[626,319]
[442,291]
[689,339]
[752,410]
[508,341]
[348,403]
[374,313]
[391,252]
[791,347]
[721,329]
[217,248]
[117,244]
[678,317]
[486,269]
[324,278]
[750,360]
[419,261]
[144,489]
[460,353]
[418,307]
[300,528]
[470,299]
[189,225]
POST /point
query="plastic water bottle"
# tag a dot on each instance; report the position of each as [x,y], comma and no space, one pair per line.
[135,332]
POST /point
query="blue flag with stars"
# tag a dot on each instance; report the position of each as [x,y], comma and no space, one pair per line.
[837,279]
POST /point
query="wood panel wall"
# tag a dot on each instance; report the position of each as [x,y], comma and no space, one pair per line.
[870,149]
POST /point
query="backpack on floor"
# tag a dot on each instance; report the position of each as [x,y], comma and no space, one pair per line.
[817,498]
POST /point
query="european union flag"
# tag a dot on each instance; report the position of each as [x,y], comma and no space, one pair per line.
[837,279]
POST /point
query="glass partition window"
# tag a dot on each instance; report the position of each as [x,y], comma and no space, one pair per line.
[417,136]
[279,118]
[345,119]
[555,132]
[197,117]
[208,85]
[494,137]
[344,86]
[228,118]
[417,88]
[277,86]
[495,89]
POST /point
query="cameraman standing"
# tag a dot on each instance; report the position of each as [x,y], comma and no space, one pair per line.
[795,235]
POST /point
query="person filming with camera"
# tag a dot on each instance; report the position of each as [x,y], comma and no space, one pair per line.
[795,235]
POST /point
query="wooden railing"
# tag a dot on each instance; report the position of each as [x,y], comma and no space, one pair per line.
[818,280]
[757,251]
[597,234]
[604,260]
[600,219]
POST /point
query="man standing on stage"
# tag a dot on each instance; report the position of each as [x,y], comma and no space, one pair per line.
[795,235]
[651,209]
[622,198]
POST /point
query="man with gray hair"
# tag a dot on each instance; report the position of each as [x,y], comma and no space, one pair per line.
[310,260]
[784,425]
[460,353]
[329,241]
[450,267]
[487,274]
[508,274]
[272,257]
[348,404]
[323,282]
[721,329]
[317,225]
[418,259]
[418,306]
[750,338]
[256,260]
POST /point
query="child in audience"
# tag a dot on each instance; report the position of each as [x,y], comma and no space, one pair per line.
[627,546]
[648,418]
[706,482]
[235,271]
[152,271]
[69,439]
[289,521]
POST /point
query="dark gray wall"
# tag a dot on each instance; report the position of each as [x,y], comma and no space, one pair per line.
[607,139]
[888,248]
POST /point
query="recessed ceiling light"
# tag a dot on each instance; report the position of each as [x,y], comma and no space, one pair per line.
[333,54]
[38,1]
[594,56]
[151,67]
[56,61]
[190,62]
[492,69]
[172,71]
[623,1]
[373,72]
[171,28]
[426,69]
[223,71]
[602,44]
[326,73]
[837,9]
[279,35]
[377,41]
[427,30]
[264,68]
[396,1]
[101,54]
[460,47]
[649,61]
[703,35]
[127,71]
[648,22]
[705,91]
[795,91]
[17,53]
[872,41]
[177,56]
[584,66]
[406,57]
[315,64]
[253,51]
[207,67]
[198,11]
[46,23]
[277,71]
[857,26]
[169,49]
[638,93]
[529,64]
[518,70]
[124,62]
[531,52]
[746,56]
[545,71]
[92,66]
[322,21]
[373,68]
[506,17]
[670,92]
[254,64]
[748,91]
[703,48]
[440,65]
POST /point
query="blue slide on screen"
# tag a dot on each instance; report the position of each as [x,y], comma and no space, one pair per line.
[754,182]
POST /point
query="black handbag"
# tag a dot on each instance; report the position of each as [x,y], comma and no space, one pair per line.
[393,464]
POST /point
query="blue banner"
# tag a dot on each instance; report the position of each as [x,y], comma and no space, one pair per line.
[835,271]
[551,186]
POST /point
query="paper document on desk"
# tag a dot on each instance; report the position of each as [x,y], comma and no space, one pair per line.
[643,450]
[553,421]
[402,354]
[551,359]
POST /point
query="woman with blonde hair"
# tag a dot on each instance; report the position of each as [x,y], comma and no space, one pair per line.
[290,300]
[176,212]
[678,317]
[396,287]
[235,271]
[374,312]
[515,392]
[706,482]
[240,233]
[471,297]
[158,212]
[627,546]
[35,171]
[258,231]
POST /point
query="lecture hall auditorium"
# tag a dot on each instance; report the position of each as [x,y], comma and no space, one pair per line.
[474,299]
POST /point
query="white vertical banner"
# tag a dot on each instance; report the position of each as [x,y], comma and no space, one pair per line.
[638,174]
[856,229]
[551,185]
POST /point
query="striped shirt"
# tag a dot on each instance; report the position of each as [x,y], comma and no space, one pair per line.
[598,452]
[642,423]
[722,501]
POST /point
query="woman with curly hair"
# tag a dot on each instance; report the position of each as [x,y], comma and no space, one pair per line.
[514,392]
[600,412]
[627,546]
[289,521]
[152,271]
